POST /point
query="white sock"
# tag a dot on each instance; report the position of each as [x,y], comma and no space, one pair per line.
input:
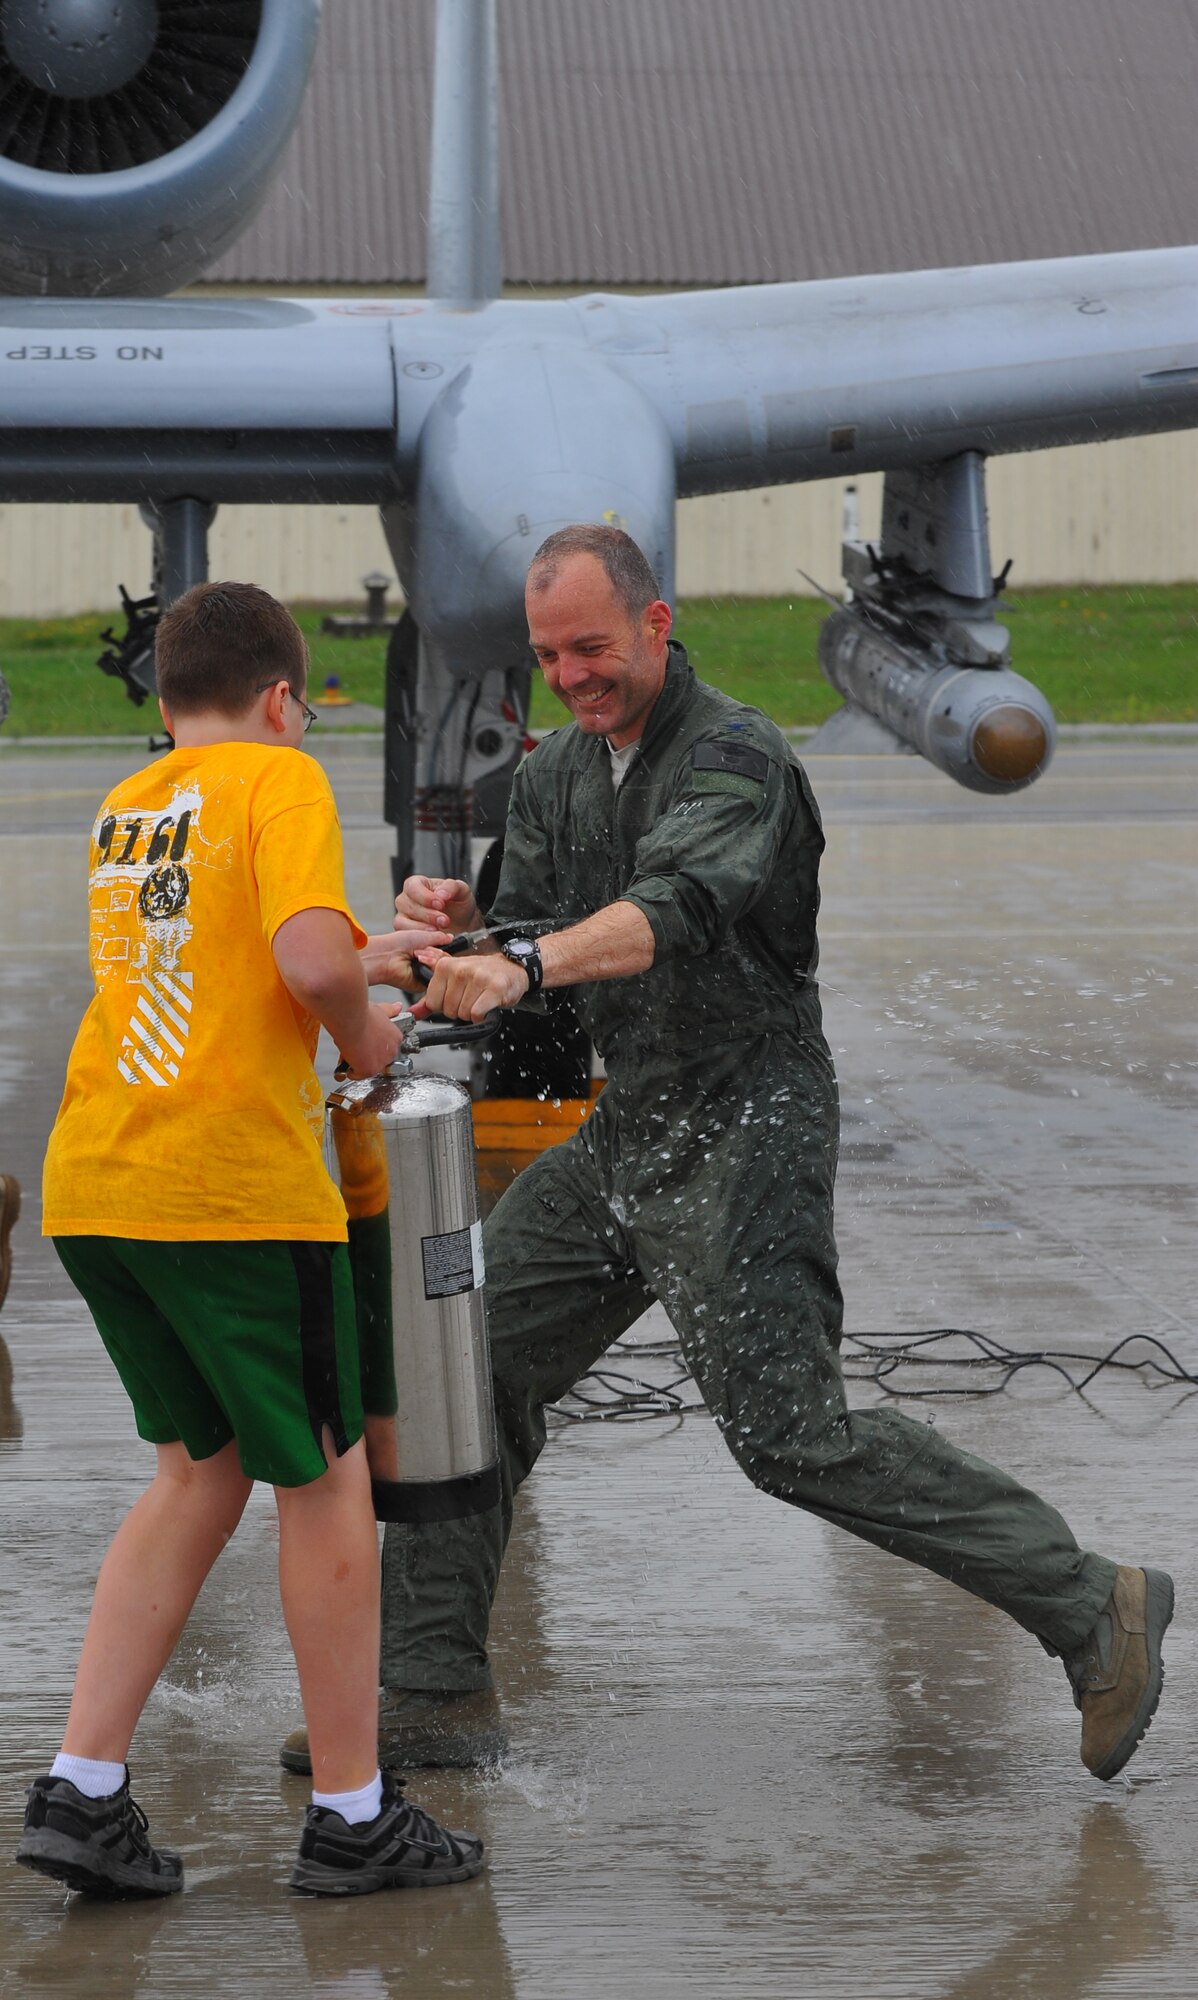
[89,1775]
[355,1807]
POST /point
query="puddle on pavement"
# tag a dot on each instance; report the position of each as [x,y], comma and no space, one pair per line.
[750,1756]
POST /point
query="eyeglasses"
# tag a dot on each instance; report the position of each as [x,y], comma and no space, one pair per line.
[310,715]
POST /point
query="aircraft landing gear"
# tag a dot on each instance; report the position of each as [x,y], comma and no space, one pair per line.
[180,529]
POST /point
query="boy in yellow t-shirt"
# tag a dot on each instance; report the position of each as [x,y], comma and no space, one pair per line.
[188,1201]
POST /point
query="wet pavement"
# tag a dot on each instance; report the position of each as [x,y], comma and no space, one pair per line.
[750,1756]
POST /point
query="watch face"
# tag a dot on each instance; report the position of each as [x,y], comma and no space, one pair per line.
[525,953]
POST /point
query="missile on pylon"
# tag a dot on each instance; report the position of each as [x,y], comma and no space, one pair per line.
[985,726]
[916,644]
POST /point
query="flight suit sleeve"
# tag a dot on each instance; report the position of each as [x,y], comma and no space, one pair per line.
[527,891]
[705,861]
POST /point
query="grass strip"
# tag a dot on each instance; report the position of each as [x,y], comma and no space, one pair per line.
[1121,654]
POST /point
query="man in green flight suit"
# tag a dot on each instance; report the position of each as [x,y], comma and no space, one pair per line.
[664,852]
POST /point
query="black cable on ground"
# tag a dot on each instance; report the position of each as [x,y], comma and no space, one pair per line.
[611,1395]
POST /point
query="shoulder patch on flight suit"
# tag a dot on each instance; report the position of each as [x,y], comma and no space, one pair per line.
[729,767]
[738,757]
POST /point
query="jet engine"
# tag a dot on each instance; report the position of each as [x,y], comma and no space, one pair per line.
[139,137]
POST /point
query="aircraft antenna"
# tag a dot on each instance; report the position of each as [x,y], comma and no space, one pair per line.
[464,267]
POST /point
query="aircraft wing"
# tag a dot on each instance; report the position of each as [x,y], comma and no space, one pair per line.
[251,399]
[754,385]
[765,384]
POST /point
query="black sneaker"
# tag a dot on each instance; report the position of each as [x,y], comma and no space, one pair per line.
[100,1846]
[401,1849]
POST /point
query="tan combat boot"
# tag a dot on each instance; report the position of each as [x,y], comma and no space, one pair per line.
[1116,1675]
[420,1729]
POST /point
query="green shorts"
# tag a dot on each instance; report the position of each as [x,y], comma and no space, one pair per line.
[213,1341]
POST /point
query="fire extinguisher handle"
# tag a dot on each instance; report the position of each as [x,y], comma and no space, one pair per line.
[455,948]
[441,1032]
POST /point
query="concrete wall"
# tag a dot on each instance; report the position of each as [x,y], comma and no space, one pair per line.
[1114,513]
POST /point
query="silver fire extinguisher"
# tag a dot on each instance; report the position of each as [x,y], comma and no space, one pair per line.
[401,1146]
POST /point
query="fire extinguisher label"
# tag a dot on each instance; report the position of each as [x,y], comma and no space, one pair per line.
[453,1262]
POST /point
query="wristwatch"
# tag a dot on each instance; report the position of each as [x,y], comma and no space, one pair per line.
[524,952]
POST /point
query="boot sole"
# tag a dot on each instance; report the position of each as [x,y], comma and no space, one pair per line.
[60,1857]
[307,1880]
[1158,1614]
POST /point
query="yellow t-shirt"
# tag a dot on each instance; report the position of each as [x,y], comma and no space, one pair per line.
[192,1111]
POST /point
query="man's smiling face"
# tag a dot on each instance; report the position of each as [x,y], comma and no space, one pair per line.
[605,663]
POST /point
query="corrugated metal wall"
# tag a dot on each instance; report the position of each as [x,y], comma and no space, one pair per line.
[717,142]
[1113,513]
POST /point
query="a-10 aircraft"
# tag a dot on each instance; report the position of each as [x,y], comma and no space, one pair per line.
[138,137]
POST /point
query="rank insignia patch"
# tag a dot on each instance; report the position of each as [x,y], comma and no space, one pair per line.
[738,759]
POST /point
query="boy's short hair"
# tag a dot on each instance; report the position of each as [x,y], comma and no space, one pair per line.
[219,642]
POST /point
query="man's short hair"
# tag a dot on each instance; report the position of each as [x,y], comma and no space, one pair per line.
[628,572]
[219,642]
